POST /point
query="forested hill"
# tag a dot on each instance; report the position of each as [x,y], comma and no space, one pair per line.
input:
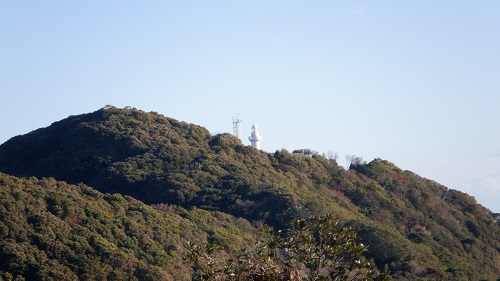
[50,230]
[416,228]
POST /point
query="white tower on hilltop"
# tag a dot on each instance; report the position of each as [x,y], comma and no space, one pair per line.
[255,137]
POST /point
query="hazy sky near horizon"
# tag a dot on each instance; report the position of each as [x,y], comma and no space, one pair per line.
[413,82]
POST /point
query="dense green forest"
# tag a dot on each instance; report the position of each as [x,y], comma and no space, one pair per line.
[51,230]
[190,185]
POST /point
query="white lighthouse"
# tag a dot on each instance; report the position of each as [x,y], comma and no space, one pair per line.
[255,137]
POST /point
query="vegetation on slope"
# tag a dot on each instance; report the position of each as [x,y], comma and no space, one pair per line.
[159,160]
[415,227]
[439,225]
[50,230]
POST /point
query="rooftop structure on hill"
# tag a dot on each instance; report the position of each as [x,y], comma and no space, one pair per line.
[307,152]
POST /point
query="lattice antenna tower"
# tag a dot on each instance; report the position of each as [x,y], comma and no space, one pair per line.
[237,127]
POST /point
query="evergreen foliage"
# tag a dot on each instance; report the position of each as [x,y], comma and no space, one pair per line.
[415,227]
[50,230]
[316,248]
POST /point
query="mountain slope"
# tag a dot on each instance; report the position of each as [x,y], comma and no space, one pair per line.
[51,230]
[416,228]
[160,160]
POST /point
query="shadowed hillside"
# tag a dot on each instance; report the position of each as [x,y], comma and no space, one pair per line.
[416,228]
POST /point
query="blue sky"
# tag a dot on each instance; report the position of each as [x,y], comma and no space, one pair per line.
[413,82]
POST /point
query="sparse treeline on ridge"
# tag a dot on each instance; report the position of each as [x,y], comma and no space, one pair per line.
[195,186]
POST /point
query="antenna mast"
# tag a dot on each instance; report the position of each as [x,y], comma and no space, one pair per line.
[237,127]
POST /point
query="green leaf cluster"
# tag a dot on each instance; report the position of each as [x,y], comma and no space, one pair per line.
[316,248]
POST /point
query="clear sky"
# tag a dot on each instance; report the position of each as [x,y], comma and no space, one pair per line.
[413,82]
